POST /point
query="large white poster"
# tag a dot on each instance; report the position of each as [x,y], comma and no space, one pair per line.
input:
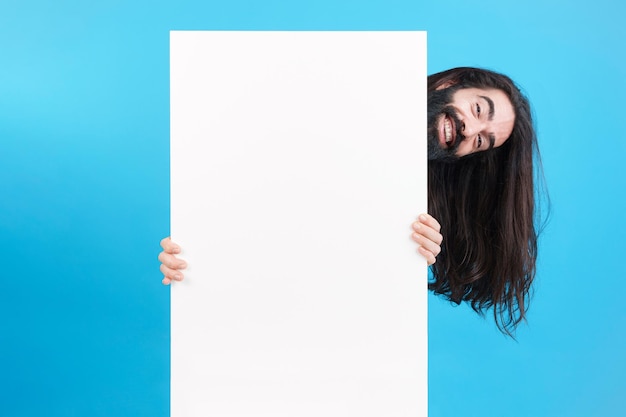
[298,163]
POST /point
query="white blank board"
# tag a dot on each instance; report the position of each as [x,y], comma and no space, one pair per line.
[298,163]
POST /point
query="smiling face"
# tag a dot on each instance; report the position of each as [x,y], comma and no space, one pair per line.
[462,121]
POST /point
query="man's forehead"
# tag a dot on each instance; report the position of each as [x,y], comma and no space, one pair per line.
[495,97]
[481,90]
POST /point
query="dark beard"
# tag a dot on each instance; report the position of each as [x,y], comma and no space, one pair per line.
[438,105]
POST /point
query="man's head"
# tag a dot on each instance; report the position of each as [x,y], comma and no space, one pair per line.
[472,110]
[485,199]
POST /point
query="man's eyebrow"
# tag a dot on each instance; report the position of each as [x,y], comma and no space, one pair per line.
[492,141]
[490,103]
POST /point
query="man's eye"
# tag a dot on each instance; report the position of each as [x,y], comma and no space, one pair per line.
[480,141]
[478,109]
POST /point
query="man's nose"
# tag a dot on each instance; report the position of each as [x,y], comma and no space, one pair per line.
[471,127]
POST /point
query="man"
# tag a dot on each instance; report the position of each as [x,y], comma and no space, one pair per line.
[481,146]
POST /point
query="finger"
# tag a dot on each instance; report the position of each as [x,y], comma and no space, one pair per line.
[430,258]
[171,274]
[166,281]
[428,232]
[430,221]
[426,243]
[171,261]
[169,246]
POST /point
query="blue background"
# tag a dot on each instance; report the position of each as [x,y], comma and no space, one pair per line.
[84,129]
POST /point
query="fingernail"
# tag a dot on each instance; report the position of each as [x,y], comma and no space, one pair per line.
[422,217]
[417,225]
[178,277]
[182,265]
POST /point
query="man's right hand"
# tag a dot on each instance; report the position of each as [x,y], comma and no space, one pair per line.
[171,266]
[427,232]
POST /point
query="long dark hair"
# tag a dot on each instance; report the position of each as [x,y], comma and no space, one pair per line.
[486,205]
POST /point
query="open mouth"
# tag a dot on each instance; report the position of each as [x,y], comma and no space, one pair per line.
[448,132]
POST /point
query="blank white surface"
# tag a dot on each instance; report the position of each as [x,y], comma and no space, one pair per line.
[298,163]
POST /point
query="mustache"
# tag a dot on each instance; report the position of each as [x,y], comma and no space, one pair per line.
[440,106]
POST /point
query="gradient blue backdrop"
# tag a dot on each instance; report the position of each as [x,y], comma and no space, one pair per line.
[84,129]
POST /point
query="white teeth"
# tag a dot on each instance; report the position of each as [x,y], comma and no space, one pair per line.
[447,129]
